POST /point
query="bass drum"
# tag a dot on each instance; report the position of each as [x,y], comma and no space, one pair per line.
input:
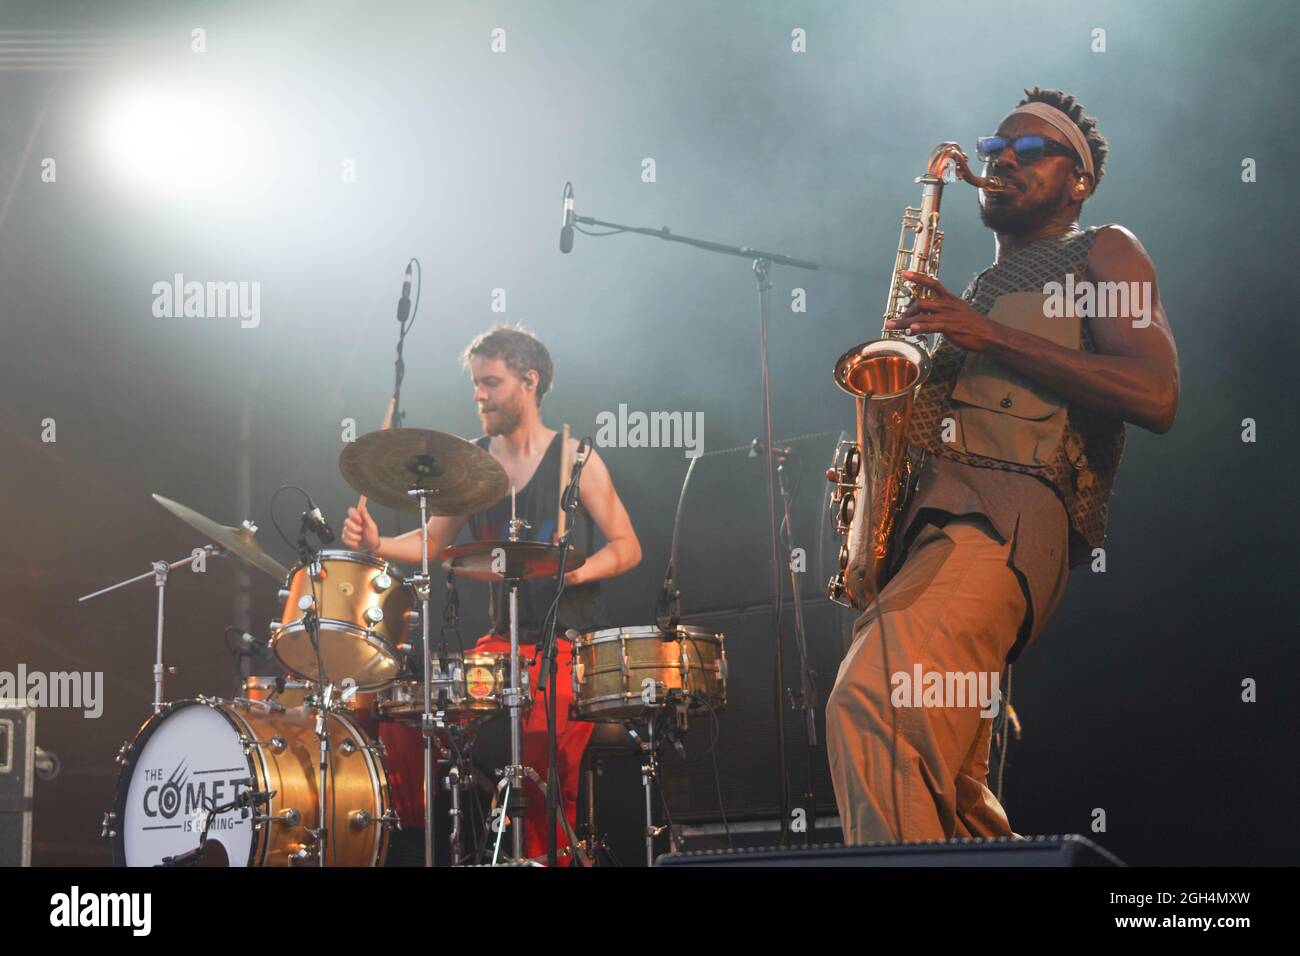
[199,754]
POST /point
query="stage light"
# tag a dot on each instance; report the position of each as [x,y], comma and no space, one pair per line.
[175,142]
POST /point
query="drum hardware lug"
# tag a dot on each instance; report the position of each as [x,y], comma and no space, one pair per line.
[411,617]
[306,602]
[377,749]
[283,594]
[362,819]
[381,582]
[580,672]
[405,648]
[374,614]
[290,817]
[315,570]
[275,743]
[348,748]
[680,710]
[274,626]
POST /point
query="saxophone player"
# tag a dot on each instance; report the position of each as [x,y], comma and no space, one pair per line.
[1022,420]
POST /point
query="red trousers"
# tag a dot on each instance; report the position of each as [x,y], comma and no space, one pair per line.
[405,760]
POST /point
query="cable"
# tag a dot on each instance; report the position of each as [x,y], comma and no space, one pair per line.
[598,235]
[1005,740]
[271,511]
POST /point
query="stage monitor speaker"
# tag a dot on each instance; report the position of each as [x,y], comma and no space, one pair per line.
[1070,850]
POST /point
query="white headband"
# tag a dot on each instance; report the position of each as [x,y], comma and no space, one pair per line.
[1062,123]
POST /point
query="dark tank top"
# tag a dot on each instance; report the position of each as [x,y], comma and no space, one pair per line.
[538,503]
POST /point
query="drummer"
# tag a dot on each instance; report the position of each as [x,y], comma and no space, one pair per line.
[511,371]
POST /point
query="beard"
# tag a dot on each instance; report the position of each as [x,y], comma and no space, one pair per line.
[502,420]
[1009,220]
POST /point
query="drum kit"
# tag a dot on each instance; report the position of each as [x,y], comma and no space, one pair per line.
[292,772]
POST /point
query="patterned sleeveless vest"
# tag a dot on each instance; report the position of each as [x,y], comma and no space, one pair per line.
[1006,421]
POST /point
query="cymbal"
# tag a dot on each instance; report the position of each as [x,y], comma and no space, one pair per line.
[238,541]
[499,560]
[461,477]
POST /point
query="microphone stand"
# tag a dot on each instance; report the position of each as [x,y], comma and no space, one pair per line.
[310,557]
[762,263]
[546,672]
[405,321]
[669,603]
[806,700]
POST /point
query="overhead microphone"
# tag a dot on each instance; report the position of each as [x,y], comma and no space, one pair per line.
[566,230]
[404,303]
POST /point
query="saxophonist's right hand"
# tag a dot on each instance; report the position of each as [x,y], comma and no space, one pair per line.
[360,533]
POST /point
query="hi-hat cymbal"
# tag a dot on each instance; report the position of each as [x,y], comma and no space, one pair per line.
[238,541]
[501,560]
[460,476]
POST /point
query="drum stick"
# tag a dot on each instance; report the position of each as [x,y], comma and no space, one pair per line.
[566,472]
[388,423]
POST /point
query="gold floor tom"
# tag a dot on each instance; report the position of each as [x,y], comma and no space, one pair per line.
[622,673]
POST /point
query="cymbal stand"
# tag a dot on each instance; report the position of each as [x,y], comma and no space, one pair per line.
[426,718]
[513,775]
[159,574]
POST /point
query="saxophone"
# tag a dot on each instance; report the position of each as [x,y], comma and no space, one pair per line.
[874,477]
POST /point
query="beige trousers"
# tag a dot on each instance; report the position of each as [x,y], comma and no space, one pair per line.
[905,773]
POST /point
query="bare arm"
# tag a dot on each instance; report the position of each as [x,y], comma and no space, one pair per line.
[361,533]
[1133,376]
[622,550]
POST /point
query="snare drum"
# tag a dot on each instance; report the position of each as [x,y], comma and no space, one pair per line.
[621,673]
[362,605]
[465,687]
[199,754]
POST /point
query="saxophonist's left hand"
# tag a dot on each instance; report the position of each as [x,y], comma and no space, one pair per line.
[944,312]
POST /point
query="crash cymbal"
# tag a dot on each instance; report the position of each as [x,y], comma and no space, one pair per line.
[498,560]
[461,477]
[238,541]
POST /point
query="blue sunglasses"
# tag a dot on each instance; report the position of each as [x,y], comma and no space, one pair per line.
[1028,149]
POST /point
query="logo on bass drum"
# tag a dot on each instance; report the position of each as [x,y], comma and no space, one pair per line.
[186,793]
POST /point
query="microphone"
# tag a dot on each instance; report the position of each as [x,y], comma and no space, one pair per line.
[566,230]
[248,644]
[579,460]
[314,517]
[404,303]
[758,447]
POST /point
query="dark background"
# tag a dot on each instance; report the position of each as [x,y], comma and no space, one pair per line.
[226,166]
